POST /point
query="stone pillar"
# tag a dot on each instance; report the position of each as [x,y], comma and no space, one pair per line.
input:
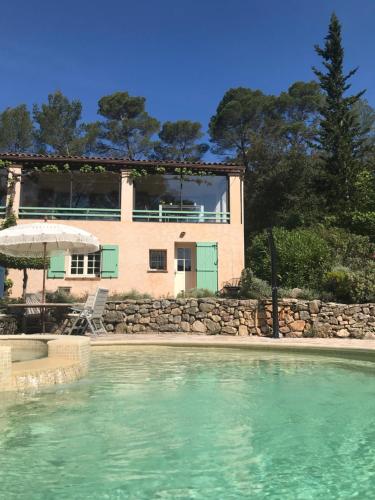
[15,175]
[127,196]
[236,199]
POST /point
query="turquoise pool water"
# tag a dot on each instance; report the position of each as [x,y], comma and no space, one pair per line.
[179,423]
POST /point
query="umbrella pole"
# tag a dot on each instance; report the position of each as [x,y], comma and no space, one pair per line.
[44,288]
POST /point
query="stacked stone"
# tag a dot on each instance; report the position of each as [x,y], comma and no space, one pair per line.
[199,316]
[297,318]
[346,320]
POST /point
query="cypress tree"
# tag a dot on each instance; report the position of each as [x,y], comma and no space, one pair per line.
[340,136]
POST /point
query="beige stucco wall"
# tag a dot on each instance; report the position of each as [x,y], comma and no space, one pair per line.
[136,238]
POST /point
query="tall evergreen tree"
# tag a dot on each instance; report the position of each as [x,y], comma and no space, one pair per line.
[243,116]
[60,129]
[340,136]
[271,136]
[16,129]
[180,141]
[128,128]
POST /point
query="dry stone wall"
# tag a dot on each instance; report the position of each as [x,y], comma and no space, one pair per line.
[297,318]
[206,316]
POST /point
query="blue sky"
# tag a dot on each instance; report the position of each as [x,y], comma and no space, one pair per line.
[181,55]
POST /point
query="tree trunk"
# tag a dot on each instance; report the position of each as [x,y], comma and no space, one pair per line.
[24,284]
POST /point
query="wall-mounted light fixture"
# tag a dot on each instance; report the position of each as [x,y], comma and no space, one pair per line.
[182,234]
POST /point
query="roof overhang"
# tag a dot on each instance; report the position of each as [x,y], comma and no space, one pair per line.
[33,160]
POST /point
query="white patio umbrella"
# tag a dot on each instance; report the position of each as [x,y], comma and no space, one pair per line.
[44,239]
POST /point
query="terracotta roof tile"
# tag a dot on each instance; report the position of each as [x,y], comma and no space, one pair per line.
[35,158]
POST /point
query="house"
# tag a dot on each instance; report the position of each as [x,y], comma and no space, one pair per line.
[164,227]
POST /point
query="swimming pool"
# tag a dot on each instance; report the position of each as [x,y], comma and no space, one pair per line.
[199,423]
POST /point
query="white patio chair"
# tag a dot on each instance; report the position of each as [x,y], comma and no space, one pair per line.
[90,317]
[76,310]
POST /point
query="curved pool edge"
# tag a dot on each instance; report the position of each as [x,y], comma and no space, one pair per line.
[67,360]
[349,348]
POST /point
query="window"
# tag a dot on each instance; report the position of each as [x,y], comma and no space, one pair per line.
[74,190]
[158,260]
[183,259]
[85,265]
[102,264]
[189,193]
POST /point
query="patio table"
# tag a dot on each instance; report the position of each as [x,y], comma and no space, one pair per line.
[44,306]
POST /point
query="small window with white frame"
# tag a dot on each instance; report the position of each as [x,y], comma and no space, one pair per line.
[158,260]
[86,265]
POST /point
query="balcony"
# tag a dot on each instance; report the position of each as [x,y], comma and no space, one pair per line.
[186,199]
[178,213]
[101,214]
[70,196]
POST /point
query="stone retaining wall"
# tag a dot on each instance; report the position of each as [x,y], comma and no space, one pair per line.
[297,318]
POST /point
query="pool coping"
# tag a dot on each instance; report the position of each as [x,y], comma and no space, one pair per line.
[67,360]
[364,348]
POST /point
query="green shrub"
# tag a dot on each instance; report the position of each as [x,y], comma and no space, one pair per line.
[304,257]
[338,283]
[350,286]
[132,294]
[308,294]
[307,256]
[196,293]
[298,293]
[363,285]
[60,297]
[253,287]
[348,249]
[363,222]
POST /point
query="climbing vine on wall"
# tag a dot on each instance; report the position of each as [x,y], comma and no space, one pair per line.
[85,169]
[136,173]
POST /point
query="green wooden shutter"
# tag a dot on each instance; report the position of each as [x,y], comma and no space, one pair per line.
[207,266]
[109,261]
[57,265]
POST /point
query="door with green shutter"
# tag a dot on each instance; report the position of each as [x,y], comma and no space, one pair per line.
[109,261]
[207,261]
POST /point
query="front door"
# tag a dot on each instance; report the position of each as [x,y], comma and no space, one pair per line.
[207,266]
[184,269]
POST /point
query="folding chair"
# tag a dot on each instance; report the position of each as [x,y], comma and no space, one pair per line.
[91,315]
[76,311]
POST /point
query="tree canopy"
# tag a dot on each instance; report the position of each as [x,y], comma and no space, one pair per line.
[180,141]
[127,129]
[16,129]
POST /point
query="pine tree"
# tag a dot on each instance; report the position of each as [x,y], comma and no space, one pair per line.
[340,136]
[180,141]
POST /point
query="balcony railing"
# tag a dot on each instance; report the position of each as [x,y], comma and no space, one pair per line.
[172,213]
[70,213]
[3,212]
